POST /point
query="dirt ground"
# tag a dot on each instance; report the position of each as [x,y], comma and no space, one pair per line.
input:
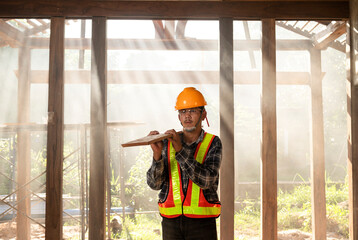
[8,231]
[287,235]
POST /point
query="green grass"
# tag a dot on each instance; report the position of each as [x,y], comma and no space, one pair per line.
[294,211]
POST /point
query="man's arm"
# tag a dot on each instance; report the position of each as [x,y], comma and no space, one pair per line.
[204,175]
[156,173]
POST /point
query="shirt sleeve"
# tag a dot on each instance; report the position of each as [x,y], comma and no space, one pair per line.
[156,174]
[204,175]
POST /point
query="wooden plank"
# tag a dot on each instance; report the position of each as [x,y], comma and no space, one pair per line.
[174,77]
[23,230]
[317,150]
[147,140]
[11,35]
[55,128]
[269,133]
[175,44]
[246,10]
[323,39]
[98,145]
[227,173]
[352,117]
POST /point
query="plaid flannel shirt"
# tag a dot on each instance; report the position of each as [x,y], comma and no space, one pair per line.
[205,175]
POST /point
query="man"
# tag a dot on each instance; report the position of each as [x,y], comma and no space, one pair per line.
[186,170]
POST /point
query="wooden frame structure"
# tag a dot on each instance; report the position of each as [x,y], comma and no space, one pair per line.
[225,12]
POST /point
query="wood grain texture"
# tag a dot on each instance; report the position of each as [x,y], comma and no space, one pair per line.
[147,140]
[55,132]
[296,10]
[352,117]
[98,144]
[227,173]
[269,133]
[317,150]
[23,145]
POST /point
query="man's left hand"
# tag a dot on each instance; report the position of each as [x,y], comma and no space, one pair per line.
[176,140]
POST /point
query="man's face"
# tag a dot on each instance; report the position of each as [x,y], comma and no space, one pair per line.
[190,117]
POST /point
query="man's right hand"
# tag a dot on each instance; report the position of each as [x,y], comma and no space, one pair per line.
[157,147]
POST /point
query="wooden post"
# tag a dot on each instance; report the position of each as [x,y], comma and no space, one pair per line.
[352,117]
[83,181]
[98,153]
[227,173]
[55,131]
[23,145]
[318,198]
[269,133]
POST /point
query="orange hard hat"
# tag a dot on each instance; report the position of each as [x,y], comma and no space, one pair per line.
[190,98]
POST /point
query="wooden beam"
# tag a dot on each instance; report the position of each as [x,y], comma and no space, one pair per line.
[245,10]
[55,130]
[333,31]
[352,117]
[227,173]
[180,29]
[248,37]
[10,34]
[317,150]
[37,29]
[23,146]
[98,153]
[175,77]
[174,44]
[269,133]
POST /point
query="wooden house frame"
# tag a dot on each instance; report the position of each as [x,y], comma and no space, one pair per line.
[224,11]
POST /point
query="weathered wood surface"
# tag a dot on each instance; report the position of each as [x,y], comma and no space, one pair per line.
[269,133]
[55,130]
[173,44]
[23,145]
[147,140]
[227,170]
[174,77]
[296,10]
[352,123]
[317,150]
[98,144]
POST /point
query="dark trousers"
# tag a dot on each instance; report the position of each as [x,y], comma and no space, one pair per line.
[183,228]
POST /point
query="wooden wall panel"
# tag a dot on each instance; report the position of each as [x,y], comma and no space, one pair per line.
[98,153]
[55,132]
[269,133]
[227,173]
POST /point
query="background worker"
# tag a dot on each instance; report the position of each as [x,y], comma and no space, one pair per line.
[185,169]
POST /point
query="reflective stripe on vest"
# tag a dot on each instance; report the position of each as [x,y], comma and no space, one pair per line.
[195,204]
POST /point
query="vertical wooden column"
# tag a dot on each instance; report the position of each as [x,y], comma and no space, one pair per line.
[318,198]
[269,133]
[98,153]
[352,117]
[23,146]
[55,130]
[227,172]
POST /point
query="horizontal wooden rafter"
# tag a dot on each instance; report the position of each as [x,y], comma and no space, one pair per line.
[178,44]
[176,77]
[297,10]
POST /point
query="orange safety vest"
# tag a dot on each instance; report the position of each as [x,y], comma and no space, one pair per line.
[194,204]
